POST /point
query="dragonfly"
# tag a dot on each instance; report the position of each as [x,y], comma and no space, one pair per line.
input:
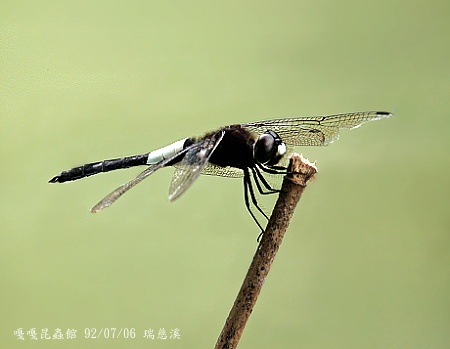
[250,151]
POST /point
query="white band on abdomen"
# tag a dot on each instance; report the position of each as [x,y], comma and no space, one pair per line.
[163,153]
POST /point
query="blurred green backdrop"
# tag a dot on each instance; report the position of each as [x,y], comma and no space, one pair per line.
[365,263]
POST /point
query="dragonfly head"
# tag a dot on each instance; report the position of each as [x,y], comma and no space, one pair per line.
[269,148]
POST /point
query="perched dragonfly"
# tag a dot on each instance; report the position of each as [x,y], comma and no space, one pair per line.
[240,150]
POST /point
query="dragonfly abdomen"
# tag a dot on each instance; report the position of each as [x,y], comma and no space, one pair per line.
[93,168]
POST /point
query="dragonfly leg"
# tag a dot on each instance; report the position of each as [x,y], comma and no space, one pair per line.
[258,176]
[273,169]
[249,189]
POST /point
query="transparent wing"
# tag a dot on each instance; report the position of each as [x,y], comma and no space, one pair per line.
[314,130]
[230,172]
[114,195]
[193,163]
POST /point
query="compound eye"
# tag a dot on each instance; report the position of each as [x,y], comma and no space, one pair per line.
[264,148]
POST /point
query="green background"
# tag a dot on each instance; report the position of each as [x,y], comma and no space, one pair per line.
[365,262]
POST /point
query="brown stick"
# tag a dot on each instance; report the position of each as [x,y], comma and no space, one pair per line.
[291,191]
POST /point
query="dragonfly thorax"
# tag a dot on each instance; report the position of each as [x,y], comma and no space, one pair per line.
[269,148]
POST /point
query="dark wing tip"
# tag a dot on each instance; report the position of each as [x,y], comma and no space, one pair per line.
[384,113]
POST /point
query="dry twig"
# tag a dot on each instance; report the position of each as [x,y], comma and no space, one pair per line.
[293,185]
